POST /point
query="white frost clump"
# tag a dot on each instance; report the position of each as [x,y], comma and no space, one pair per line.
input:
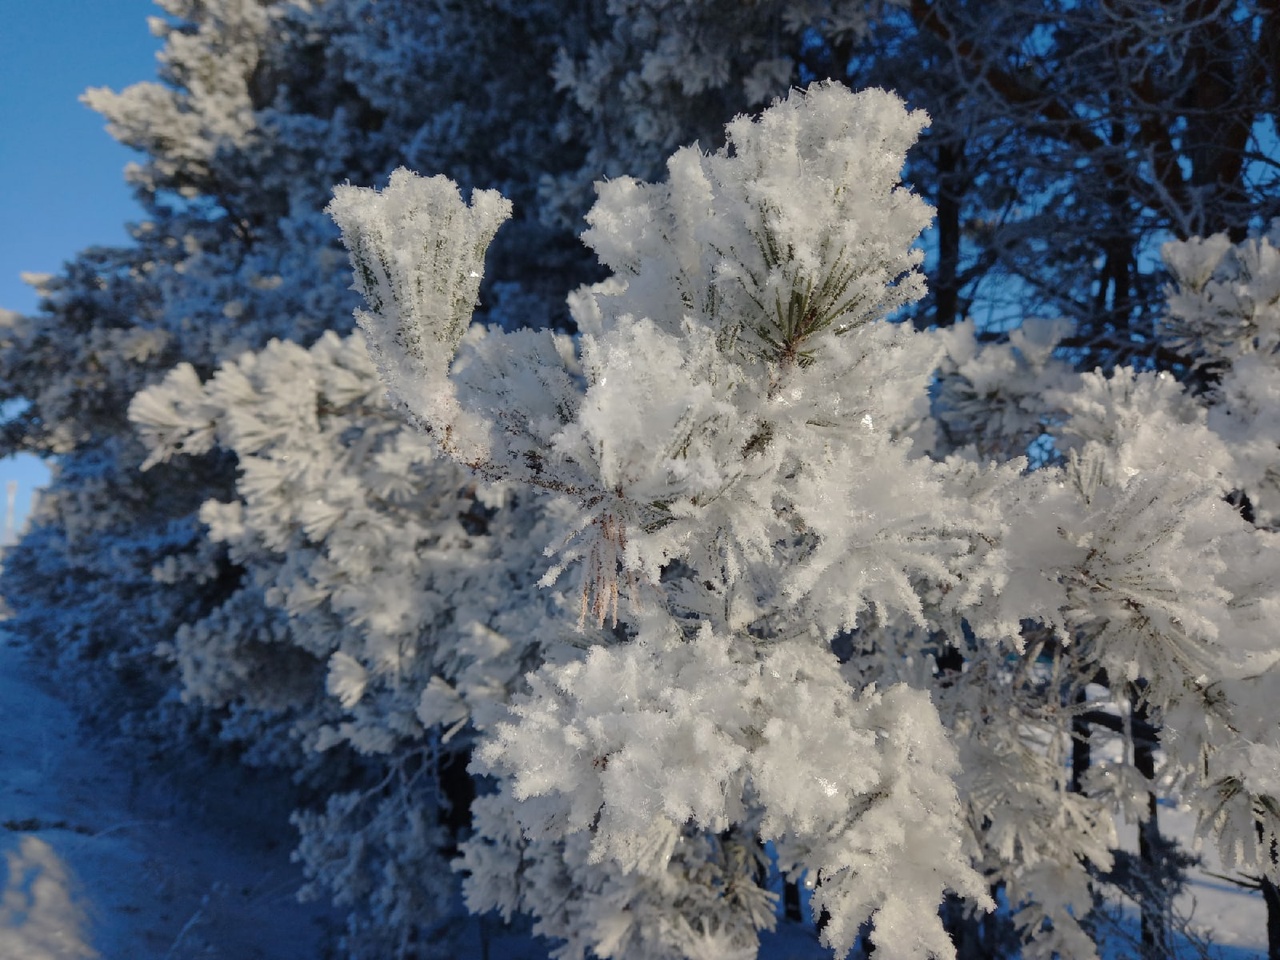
[418,253]
[1225,301]
[636,746]
[993,400]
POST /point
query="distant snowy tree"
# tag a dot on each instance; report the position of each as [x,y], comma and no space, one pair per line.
[648,76]
[259,109]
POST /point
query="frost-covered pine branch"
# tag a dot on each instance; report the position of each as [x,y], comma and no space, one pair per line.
[732,435]
[1223,310]
[729,436]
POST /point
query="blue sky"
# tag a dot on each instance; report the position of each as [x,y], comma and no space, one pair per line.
[61,176]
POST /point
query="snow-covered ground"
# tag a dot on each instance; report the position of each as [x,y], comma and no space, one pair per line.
[1230,921]
[105,862]
[1233,919]
[102,862]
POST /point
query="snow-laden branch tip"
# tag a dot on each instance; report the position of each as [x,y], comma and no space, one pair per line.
[417,252]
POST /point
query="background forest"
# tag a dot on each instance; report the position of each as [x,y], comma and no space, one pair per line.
[748,497]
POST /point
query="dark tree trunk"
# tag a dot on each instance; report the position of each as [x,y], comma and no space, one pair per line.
[791,901]
[946,283]
[1149,904]
[1218,122]
[1150,901]
[1271,896]
[1080,747]
[457,791]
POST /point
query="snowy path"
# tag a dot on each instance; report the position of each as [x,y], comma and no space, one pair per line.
[99,866]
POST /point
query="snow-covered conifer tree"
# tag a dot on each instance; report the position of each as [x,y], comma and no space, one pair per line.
[259,108]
